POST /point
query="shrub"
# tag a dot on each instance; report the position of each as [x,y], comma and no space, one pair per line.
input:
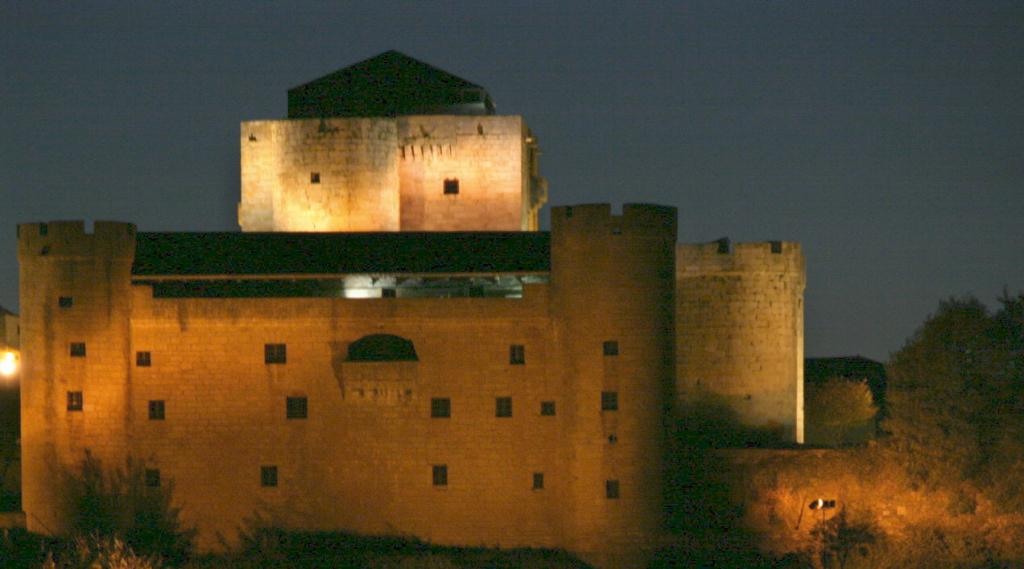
[99,552]
[119,506]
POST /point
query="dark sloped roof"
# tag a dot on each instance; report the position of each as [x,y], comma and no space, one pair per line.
[340,253]
[388,84]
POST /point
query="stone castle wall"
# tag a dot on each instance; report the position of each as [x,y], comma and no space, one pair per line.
[387,174]
[363,459]
[740,342]
[75,300]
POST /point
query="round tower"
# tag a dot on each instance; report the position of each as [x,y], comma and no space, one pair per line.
[740,347]
[75,304]
[612,281]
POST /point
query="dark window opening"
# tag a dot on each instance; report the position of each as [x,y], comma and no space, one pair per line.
[547,408]
[296,408]
[268,476]
[723,246]
[152,478]
[381,348]
[538,480]
[440,473]
[568,212]
[43,229]
[776,247]
[609,401]
[451,186]
[65,302]
[440,408]
[143,359]
[78,349]
[611,489]
[616,231]
[388,293]
[156,410]
[503,407]
[517,354]
[611,348]
[314,177]
[75,401]
[275,353]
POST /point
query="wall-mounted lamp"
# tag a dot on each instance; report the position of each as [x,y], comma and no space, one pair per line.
[8,363]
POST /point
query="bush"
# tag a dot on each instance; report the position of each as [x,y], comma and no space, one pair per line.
[839,412]
[118,508]
[99,552]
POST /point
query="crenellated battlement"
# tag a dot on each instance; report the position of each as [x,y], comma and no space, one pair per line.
[70,239]
[636,219]
[722,256]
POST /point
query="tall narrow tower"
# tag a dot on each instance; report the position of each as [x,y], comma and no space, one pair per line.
[612,282]
[75,308]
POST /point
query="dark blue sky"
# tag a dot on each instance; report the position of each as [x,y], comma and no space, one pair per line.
[887,137]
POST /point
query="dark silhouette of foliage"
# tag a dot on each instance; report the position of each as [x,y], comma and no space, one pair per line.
[839,412]
[119,504]
[957,402]
[841,540]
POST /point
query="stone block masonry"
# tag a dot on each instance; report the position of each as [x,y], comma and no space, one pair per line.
[409,173]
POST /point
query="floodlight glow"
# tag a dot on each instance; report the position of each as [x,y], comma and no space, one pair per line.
[8,363]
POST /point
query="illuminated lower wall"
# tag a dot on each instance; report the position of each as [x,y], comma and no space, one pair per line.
[363,459]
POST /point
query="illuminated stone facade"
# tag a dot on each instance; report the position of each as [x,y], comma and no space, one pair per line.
[505,389]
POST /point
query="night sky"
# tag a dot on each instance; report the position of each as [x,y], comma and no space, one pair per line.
[888,138]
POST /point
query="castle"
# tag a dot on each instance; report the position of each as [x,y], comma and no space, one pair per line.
[390,346]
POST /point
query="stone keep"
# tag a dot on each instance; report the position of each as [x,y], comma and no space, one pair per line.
[390,144]
[383,351]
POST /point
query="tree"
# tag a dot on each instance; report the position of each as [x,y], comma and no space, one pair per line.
[956,407]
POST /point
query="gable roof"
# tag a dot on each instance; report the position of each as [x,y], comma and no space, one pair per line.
[388,84]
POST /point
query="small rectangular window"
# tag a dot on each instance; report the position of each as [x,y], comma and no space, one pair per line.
[275,353]
[611,348]
[451,186]
[156,410]
[440,474]
[503,407]
[152,478]
[440,407]
[609,401]
[78,349]
[388,293]
[268,476]
[611,489]
[75,401]
[142,359]
[65,302]
[296,408]
[538,480]
[517,354]
[43,229]
[314,177]
[547,408]
[776,247]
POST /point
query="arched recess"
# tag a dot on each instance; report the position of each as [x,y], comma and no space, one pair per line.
[381,348]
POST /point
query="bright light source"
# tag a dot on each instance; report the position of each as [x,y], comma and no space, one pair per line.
[8,363]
